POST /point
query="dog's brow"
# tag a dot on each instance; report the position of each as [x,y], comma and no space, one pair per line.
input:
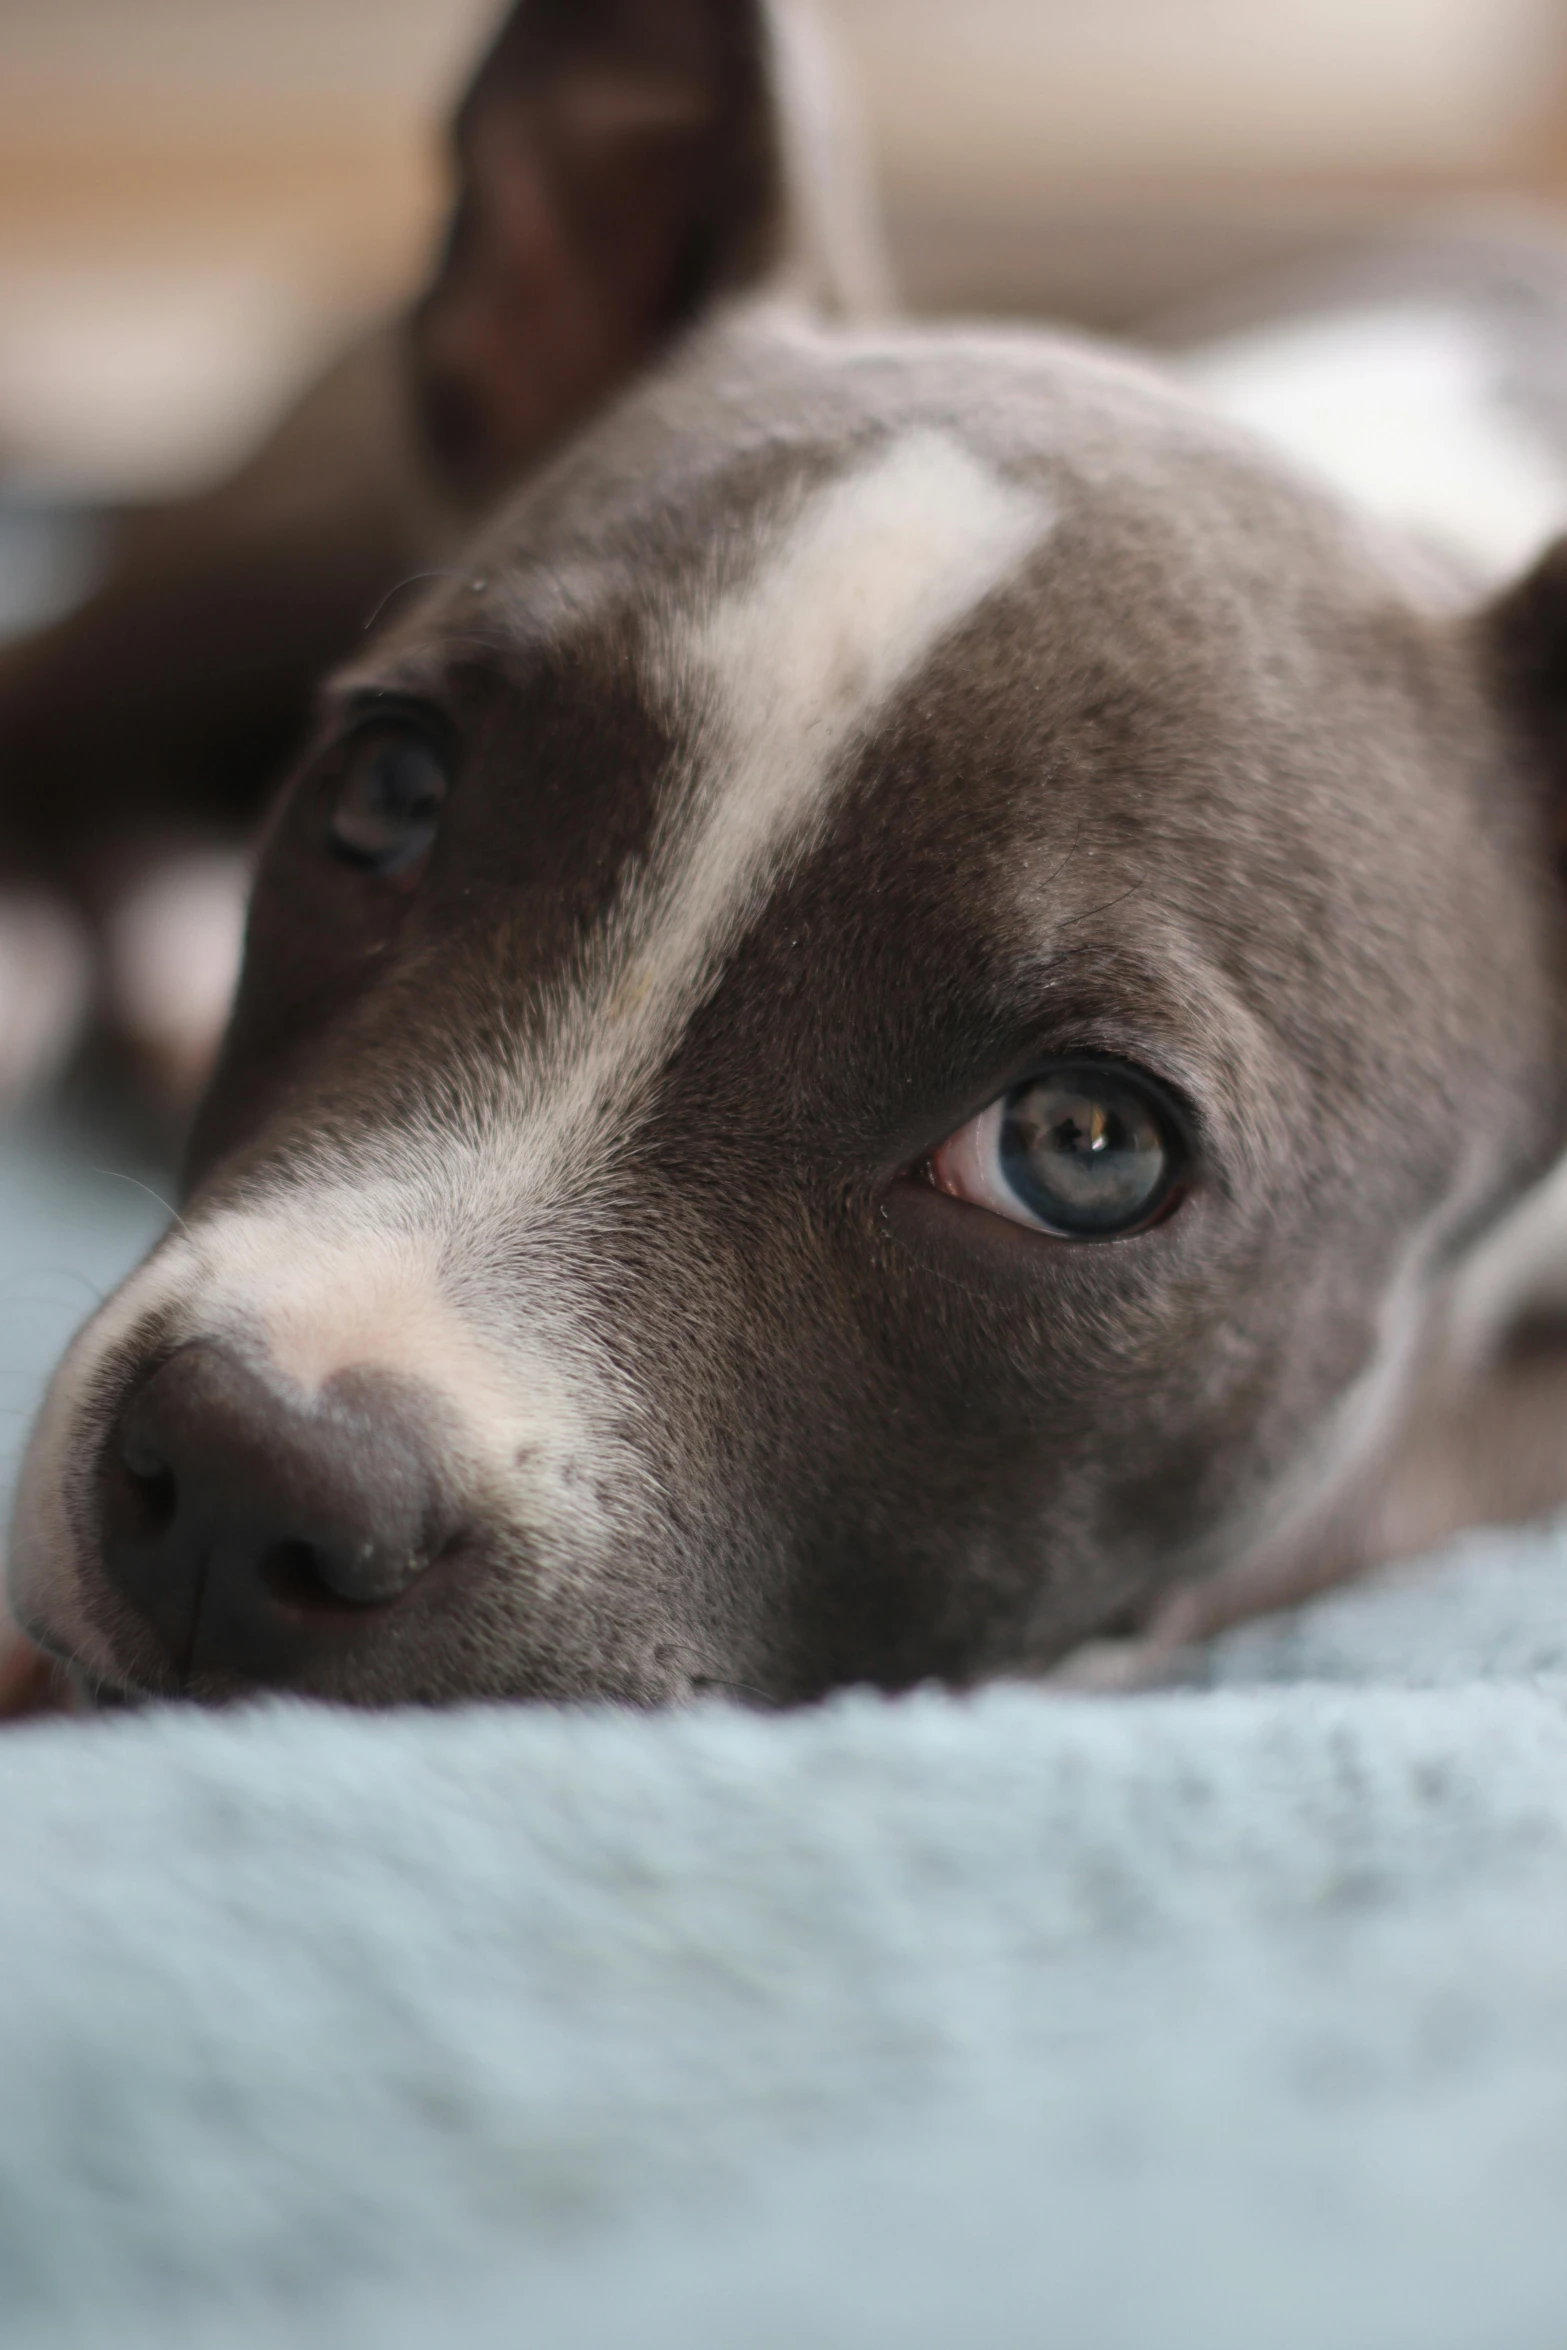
[416,659]
[363,702]
[349,701]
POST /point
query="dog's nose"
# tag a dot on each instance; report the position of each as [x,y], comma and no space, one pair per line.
[249,1525]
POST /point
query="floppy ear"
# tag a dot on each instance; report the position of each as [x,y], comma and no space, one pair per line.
[621,165]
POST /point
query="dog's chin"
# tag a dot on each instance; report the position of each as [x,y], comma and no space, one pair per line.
[108,1660]
[102,1697]
[114,1661]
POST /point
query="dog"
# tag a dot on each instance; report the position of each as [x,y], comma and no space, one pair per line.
[874,1027]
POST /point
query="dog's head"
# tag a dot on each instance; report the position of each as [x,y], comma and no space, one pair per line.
[861,1039]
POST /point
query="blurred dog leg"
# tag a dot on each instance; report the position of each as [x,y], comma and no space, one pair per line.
[1486,1446]
[172,946]
[46,990]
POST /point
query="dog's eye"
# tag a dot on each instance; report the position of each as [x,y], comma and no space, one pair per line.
[388,803]
[1083,1150]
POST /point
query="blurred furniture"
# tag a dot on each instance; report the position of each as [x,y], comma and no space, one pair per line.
[1102,162]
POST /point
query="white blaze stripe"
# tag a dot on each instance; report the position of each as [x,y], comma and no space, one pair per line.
[876,572]
[870,576]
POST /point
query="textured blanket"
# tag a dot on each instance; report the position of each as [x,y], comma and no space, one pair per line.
[1236,2016]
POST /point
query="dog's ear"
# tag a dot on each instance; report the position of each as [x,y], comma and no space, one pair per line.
[621,165]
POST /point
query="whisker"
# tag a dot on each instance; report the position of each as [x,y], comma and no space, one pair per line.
[414,579]
[116,1175]
[704,1682]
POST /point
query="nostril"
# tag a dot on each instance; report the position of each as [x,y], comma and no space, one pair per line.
[142,1457]
[143,1493]
[301,1576]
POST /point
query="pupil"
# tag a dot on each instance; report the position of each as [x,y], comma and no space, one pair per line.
[399,786]
[387,812]
[1085,1151]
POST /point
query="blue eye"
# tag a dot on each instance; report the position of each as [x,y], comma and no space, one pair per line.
[388,804]
[1084,1151]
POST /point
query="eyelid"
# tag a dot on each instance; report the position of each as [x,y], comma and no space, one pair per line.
[369,711]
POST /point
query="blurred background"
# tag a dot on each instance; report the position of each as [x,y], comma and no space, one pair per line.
[197,195]
[199,198]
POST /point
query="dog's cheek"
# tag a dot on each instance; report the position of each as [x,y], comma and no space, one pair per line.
[1008,1467]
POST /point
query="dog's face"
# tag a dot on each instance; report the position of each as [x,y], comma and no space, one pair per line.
[853,1048]
[860,1043]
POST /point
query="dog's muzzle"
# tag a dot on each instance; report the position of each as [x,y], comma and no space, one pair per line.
[256,1530]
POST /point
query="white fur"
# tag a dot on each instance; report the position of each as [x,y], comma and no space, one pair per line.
[876,571]
[344,1278]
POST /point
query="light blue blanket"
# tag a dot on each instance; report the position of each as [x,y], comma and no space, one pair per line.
[1231,2018]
